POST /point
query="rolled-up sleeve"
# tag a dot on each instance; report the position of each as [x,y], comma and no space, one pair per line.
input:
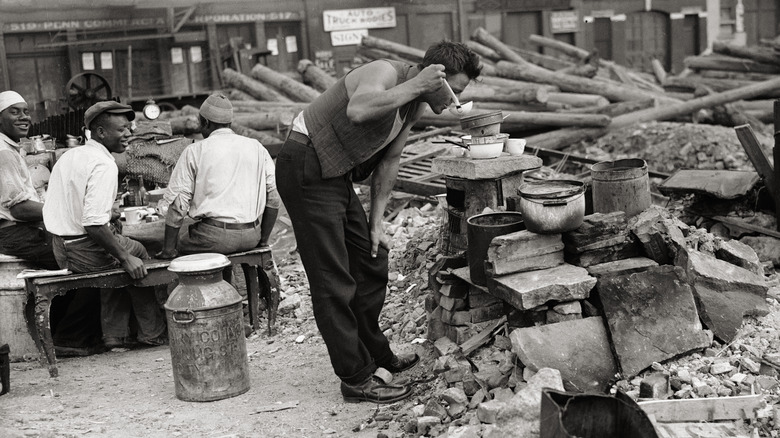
[99,196]
[272,196]
[181,186]
[13,189]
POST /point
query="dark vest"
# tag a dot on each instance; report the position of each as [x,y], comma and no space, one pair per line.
[343,146]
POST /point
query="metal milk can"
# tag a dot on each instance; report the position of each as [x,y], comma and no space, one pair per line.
[206,331]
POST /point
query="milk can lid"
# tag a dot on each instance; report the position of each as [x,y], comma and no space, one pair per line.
[199,262]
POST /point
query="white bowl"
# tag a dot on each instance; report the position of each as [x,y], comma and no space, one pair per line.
[515,146]
[487,150]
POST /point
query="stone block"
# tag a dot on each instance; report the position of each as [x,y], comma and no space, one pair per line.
[578,349]
[426,423]
[444,346]
[628,249]
[725,293]
[651,317]
[621,267]
[596,228]
[479,297]
[466,168]
[526,290]
[487,411]
[452,304]
[659,233]
[459,317]
[457,289]
[436,329]
[487,313]
[555,317]
[656,386]
[527,402]
[737,253]
[523,251]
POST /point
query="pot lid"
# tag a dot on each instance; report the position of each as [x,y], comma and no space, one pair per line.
[199,262]
[551,189]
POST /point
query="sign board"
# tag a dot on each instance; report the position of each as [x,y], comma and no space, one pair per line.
[347,37]
[564,21]
[353,19]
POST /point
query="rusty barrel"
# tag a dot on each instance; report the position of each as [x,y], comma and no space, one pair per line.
[206,331]
[621,185]
[481,230]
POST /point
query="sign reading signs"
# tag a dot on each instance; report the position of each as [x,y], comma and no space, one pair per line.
[564,21]
[352,19]
[347,37]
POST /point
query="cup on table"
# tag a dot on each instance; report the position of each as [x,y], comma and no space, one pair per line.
[515,146]
[134,215]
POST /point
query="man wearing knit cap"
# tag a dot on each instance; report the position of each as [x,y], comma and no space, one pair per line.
[23,235]
[225,182]
[82,190]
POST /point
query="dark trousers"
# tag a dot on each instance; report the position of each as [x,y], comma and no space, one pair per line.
[347,286]
[75,317]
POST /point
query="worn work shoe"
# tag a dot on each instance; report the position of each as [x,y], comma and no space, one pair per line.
[156,342]
[402,362]
[111,342]
[62,351]
[374,390]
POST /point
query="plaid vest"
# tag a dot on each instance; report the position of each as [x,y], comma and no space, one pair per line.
[342,146]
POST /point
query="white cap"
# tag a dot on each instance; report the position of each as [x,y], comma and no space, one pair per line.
[8,98]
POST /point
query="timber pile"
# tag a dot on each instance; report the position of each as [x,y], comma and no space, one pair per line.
[547,92]
[555,99]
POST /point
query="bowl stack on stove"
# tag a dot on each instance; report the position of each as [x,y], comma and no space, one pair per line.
[484,139]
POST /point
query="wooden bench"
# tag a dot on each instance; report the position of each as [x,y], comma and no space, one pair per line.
[41,290]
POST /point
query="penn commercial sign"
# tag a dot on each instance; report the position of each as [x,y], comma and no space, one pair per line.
[365,18]
[144,22]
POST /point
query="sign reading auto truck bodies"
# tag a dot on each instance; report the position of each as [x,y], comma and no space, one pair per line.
[351,19]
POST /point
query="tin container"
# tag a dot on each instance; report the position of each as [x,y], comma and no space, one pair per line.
[206,331]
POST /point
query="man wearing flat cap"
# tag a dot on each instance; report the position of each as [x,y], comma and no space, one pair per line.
[23,235]
[82,190]
[226,183]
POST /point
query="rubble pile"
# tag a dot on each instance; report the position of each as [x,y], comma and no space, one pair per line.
[652,280]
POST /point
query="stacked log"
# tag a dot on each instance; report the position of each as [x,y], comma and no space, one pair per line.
[568,93]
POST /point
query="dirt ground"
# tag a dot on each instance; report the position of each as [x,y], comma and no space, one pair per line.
[131,394]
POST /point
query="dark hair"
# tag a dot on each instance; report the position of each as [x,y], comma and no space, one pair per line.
[455,57]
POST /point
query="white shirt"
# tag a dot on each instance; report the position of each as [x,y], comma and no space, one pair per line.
[225,177]
[16,184]
[82,189]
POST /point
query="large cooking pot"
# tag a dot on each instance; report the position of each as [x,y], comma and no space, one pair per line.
[553,206]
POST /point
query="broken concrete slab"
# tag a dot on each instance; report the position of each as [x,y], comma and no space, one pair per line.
[725,292]
[498,267]
[579,349]
[526,290]
[466,168]
[595,228]
[659,233]
[737,253]
[621,267]
[722,184]
[651,317]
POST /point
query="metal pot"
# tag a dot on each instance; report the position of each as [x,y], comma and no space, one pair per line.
[551,207]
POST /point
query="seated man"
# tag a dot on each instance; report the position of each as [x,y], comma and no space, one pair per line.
[225,182]
[82,189]
[23,235]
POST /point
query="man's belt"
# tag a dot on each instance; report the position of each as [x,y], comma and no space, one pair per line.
[229,226]
[80,236]
[299,137]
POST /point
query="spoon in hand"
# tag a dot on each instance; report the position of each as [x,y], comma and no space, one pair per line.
[459,109]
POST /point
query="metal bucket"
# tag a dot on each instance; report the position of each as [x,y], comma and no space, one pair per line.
[621,185]
[13,298]
[481,230]
[206,331]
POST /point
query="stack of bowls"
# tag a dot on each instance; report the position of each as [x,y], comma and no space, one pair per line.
[485,139]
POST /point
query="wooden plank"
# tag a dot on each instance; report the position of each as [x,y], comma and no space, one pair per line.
[776,154]
[703,409]
[746,225]
[699,430]
[759,159]
[482,337]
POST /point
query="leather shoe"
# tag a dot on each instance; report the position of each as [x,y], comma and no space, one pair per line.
[374,390]
[402,362]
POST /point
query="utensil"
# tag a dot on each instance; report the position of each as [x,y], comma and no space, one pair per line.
[459,108]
